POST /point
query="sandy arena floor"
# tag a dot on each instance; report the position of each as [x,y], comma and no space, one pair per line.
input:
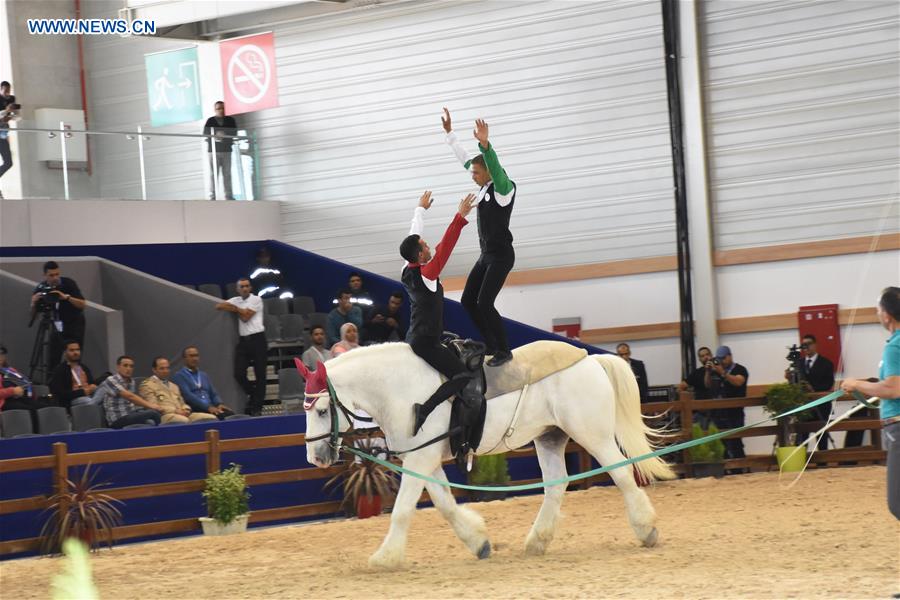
[831,536]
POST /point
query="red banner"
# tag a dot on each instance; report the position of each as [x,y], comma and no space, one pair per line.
[248,73]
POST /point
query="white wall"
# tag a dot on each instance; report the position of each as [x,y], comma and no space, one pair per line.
[86,222]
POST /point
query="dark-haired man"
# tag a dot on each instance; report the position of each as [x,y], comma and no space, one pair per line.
[61,298]
[252,348]
[196,387]
[71,382]
[160,390]
[7,111]
[318,351]
[384,323]
[344,312]
[495,202]
[421,278]
[623,350]
[697,379]
[121,403]
[818,372]
[222,128]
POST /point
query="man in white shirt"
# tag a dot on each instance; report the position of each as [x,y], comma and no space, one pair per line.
[252,347]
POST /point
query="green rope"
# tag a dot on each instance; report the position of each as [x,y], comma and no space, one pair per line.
[594,472]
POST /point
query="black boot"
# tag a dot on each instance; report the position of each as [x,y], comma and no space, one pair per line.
[420,414]
[446,391]
[500,358]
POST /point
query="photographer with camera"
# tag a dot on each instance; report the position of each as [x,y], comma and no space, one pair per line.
[8,108]
[727,379]
[59,299]
[808,366]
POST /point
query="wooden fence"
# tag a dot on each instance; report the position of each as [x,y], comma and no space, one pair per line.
[213,448]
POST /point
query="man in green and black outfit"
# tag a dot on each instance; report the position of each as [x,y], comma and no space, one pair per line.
[495,202]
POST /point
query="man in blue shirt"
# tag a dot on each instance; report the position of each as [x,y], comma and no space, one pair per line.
[196,388]
[888,389]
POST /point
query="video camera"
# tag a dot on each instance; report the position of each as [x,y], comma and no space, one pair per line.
[713,362]
[46,300]
[795,358]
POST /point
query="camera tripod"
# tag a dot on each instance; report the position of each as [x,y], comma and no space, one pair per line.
[40,362]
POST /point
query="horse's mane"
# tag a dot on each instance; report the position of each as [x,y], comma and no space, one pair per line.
[369,352]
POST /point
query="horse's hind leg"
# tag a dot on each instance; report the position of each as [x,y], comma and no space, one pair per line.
[468,524]
[641,515]
[551,449]
[392,552]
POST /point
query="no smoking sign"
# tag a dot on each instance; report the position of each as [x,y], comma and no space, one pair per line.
[248,73]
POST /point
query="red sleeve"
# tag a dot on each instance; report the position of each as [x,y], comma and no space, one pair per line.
[444,249]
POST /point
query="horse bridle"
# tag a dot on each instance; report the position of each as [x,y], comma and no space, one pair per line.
[334,403]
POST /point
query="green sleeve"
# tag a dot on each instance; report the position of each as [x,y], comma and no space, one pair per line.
[501,182]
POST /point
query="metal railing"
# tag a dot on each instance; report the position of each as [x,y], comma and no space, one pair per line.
[173,167]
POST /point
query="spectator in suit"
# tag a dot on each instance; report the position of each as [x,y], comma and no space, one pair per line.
[196,388]
[165,393]
[317,352]
[71,382]
[121,403]
[637,367]
[349,340]
[345,312]
[818,372]
[384,323]
[727,379]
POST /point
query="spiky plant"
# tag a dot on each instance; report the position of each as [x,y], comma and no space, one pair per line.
[80,511]
[362,477]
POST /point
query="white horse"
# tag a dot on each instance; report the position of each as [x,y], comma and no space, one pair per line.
[595,402]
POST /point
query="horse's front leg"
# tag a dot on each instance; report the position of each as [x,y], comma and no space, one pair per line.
[393,549]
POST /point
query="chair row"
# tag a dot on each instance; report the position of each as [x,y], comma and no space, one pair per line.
[299,305]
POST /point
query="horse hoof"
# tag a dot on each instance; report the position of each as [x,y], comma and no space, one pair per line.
[651,539]
[484,551]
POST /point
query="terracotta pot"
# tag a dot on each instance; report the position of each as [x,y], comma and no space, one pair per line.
[368,506]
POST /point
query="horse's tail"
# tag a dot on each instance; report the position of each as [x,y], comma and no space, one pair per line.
[631,431]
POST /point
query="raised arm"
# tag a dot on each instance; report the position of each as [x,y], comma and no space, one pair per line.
[444,249]
[461,155]
[418,220]
[502,184]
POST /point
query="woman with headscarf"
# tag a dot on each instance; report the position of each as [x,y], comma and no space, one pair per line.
[349,340]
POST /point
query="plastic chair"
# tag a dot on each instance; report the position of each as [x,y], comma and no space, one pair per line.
[276,306]
[290,384]
[317,319]
[53,419]
[87,417]
[291,328]
[230,290]
[304,305]
[213,289]
[16,423]
[237,417]
[273,328]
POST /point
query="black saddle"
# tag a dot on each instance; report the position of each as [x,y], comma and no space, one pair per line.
[468,413]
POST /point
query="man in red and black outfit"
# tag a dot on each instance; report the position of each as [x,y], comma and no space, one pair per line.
[421,278]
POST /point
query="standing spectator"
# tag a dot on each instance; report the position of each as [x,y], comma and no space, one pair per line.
[196,388]
[267,280]
[8,107]
[697,379]
[63,299]
[384,323]
[344,312]
[888,389]
[122,405]
[728,379]
[223,128]
[349,340]
[637,367]
[317,352]
[359,296]
[15,388]
[158,389]
[71,382]
[252,348]
[818,372]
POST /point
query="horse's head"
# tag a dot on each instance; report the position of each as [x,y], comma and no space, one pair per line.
[322,451]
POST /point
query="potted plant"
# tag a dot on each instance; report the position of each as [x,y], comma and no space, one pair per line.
[491,470]
[707,459]
[82,512]
[367,486]
[780,398]
[227,501]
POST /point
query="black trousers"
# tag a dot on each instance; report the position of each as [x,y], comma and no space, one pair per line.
[6,155]
[445,362]
[730,418]
[485,281]
[252,350]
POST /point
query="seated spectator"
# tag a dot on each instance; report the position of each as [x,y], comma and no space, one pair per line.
[196,388]
[384,324]
[637,367]
[358,294]
[120,402]
[317,352]
[344,312]
[15,388]
[71,382]
[697,379]
[349,340]
[267,280]
[166,394]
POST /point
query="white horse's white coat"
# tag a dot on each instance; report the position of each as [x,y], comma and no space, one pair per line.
[595,402]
